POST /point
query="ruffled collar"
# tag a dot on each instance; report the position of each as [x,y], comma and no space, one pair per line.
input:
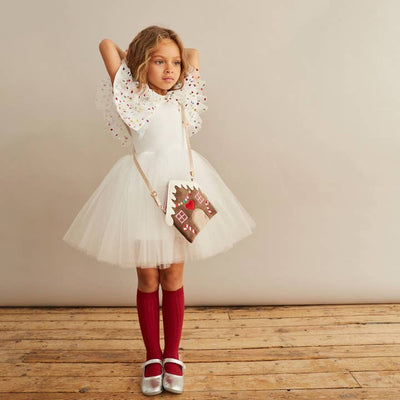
[124,104]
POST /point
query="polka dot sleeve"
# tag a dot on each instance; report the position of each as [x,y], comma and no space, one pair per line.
[104,102]
[194,99]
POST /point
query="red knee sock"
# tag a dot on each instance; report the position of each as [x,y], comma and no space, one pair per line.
[148,308]
[173,307]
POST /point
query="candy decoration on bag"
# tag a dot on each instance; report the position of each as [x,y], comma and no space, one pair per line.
[187,226]
[209,210]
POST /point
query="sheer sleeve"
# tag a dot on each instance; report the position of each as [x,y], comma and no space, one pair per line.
[135,107]
[124,106]
[104,102]
[194,99]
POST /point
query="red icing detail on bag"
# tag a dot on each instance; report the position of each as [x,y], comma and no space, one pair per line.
[190,205]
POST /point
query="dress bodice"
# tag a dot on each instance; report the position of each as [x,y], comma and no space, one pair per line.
[164,132]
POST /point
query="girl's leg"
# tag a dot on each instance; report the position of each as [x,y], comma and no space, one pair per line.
[148,308]
[173,308]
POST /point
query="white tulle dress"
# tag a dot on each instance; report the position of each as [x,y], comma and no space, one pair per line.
[120,223]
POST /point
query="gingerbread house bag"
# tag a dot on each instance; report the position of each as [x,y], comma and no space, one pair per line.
[187,207]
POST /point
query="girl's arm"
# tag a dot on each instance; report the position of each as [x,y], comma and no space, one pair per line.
[112,57]
[192,57]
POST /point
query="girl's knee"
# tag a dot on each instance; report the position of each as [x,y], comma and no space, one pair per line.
[171,278]
[148,279]
[171,285]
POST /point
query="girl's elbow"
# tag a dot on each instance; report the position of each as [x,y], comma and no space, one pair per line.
[104,42]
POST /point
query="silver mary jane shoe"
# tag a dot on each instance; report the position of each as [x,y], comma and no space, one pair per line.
[152,385]
[173,383]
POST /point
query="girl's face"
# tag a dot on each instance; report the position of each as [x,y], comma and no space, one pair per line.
[164,63]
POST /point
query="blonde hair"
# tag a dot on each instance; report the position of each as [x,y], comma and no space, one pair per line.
[143,47]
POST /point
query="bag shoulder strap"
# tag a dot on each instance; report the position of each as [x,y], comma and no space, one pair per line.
[153,193]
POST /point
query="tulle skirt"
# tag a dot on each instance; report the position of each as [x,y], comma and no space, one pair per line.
[121,224]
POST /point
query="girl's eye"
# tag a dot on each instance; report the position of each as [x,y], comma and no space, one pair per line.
[161,61]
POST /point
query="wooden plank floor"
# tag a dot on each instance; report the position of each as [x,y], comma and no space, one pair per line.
[324,352]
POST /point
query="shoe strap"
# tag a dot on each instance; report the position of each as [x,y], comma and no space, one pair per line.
[152,361]
[174,360]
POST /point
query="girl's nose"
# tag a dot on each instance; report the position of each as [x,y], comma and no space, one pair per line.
[169,67]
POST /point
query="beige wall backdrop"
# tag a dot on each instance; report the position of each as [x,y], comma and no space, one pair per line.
[303,126]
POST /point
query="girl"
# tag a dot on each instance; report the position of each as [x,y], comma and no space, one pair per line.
[120,224]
